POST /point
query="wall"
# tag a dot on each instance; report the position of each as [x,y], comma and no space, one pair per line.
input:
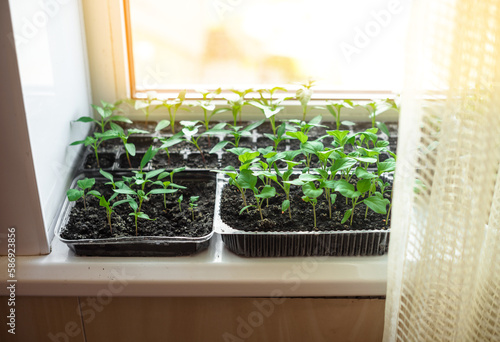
[50,44]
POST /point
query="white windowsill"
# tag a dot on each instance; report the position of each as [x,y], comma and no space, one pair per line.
[213,272]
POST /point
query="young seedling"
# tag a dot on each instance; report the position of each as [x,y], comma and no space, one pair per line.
[137,213]
[146,105]
[269,106]
[237,132]
[208,106]
[83,185]
[376,108]
[106,204]
[278,137]
[311,194]
[118,132]
[304,94]
[95,141]
[236,101]
[167,183]
[179,200]
[305,127]
[266,193]
[190,129]
[335,108]
[105,115]
[173,106]
[193,204]
[376,202]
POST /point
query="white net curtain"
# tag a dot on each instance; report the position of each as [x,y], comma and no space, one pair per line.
[444,265]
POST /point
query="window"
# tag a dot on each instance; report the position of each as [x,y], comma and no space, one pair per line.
[345,46]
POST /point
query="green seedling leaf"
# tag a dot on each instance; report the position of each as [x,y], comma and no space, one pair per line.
[383,128]
[246,179]
[382,143]
[267,192]
[387,166]
[310,190]
[363,174]
[348,123]
[162,191]
[245,208]
[333,198]
[363,185]
[130,148]
[343,164]
[247,157]
[306,177]
[86,119]
[107,175]
[298,135]
[285,205]
[74,194]
[150,153]
[347,215]
[340,137]
[368,160]
[239,150]
[152,174]
[143,216]
[86,183]
[377,204]
[161,125]
[219,146]
[94,193]
[125,191]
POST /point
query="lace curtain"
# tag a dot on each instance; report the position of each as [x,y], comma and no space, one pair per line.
[444,265]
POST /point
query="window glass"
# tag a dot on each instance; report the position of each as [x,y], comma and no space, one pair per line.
[344,45]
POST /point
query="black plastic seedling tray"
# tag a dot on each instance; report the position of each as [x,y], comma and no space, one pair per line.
[141,245]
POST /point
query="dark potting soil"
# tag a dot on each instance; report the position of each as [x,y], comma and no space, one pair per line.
[195,161]
[91,223]
[161,161]
[106,161]
[263,142]
[134,160]
[302,214]
[230,159]
[142,143]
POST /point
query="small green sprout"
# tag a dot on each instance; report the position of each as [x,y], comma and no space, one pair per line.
[83,185]
[192,204]
[207,105]
[190,129]
[237,132]
[105,115]
[269,106]
[118,132]
[335,108]
[179,200]
[173,105]
[146,105]
[311,194]
[236,101]
[304,94]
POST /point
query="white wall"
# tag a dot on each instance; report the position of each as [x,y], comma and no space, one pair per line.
[50,44]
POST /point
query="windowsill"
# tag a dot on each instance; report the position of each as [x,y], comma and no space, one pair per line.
[213,272]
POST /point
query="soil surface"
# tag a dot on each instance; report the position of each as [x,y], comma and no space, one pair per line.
[106,161]
[195,161]
[134,160]
[91,223]
[302,213]
[161,161]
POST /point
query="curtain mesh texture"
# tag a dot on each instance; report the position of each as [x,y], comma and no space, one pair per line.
[444,269]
